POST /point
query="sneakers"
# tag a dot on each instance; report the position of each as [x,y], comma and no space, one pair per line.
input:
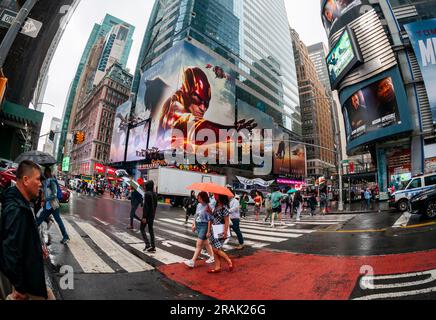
[151,250]
[65,240]
[210,261]
[189,263]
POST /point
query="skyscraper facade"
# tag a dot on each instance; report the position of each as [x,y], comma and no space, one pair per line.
[316,114]
[382,63]
[249,38]
[98,31]
[240,32]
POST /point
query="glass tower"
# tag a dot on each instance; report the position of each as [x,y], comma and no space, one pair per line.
[250,35]
[99,30]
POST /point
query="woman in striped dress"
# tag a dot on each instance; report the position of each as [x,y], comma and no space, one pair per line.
[220,216]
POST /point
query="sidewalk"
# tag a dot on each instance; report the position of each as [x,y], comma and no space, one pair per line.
[359,207]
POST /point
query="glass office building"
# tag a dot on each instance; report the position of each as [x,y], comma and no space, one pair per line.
[250,36]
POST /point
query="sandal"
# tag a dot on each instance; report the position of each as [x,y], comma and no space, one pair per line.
[214,271]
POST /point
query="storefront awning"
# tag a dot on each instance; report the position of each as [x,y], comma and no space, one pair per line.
[20,114]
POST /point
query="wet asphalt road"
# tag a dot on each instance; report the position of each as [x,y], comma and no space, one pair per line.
[340,236]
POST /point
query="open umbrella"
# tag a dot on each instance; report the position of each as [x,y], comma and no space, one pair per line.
[135,185]
[41,158]
[211,187]
[292,191]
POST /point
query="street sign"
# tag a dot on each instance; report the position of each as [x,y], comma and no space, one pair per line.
[31,27]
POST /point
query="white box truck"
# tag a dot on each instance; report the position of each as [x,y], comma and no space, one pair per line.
[172,183]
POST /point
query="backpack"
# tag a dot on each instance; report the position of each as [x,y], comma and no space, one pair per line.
[59,190]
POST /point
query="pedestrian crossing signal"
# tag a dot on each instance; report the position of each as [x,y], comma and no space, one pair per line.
[79,137]
[51,136]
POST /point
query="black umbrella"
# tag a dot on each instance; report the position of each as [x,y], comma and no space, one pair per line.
[41,158]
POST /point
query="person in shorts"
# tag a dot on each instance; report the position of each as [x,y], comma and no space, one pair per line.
[200,226]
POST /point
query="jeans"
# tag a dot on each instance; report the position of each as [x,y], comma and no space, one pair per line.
[150,221]
[368,204]
[56,215]
[133,213]
[235,227]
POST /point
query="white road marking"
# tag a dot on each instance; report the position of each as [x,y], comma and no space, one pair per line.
[431,277]
[125,259]
[403,220]
[270,233]
[391,295]
[88,260]
[105,223]
[181,235]
[279,231]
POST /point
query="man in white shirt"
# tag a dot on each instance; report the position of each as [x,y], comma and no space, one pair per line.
[235,217]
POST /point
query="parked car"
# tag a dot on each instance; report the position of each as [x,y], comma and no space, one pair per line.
[7,177]
[424,203]
[416,186]
[65,195]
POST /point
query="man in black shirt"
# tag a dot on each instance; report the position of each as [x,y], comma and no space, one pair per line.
[149,213]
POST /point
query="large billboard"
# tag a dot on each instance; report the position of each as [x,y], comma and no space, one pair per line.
[372,108]
[332,10]
[138,138]
[342,58]
[423,38]
[119,134]
[186,90]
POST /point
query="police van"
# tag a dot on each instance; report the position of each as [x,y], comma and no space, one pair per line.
[400,199]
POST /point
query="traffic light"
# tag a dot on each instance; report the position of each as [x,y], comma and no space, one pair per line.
[51,136]
[79,137]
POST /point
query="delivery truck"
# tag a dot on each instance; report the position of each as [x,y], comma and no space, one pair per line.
[172,183]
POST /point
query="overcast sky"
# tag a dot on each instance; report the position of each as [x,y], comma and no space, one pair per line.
[304,18]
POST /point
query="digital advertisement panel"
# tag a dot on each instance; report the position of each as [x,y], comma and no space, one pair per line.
[423,38]
[342,58]
[188,90]
[334,9]
[281,154]
[298,160]
[371,108]
[119,134]
[138,138]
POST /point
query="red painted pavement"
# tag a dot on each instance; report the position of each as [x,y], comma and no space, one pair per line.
[269,275]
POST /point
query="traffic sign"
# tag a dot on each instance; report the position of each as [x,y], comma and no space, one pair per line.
[30,28]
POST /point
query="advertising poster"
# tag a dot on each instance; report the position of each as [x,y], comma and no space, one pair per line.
[423,39]
[298,160]
[281,152]
[334,9]
[371,108]
[119,134]
[138,138]
[187,90]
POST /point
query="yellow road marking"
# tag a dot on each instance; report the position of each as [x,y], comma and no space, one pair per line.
[414,226]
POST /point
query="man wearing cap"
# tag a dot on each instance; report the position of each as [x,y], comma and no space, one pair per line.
[135,200]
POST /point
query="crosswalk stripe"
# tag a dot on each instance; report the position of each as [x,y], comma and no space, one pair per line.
[102,222]
[88,260]
[269,233]
[247,242]
[161,255]
[121,256]
[278,231]
[391,295]
[264,238]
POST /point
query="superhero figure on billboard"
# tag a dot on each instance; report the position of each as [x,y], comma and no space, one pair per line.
[189,104]
[387,103]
